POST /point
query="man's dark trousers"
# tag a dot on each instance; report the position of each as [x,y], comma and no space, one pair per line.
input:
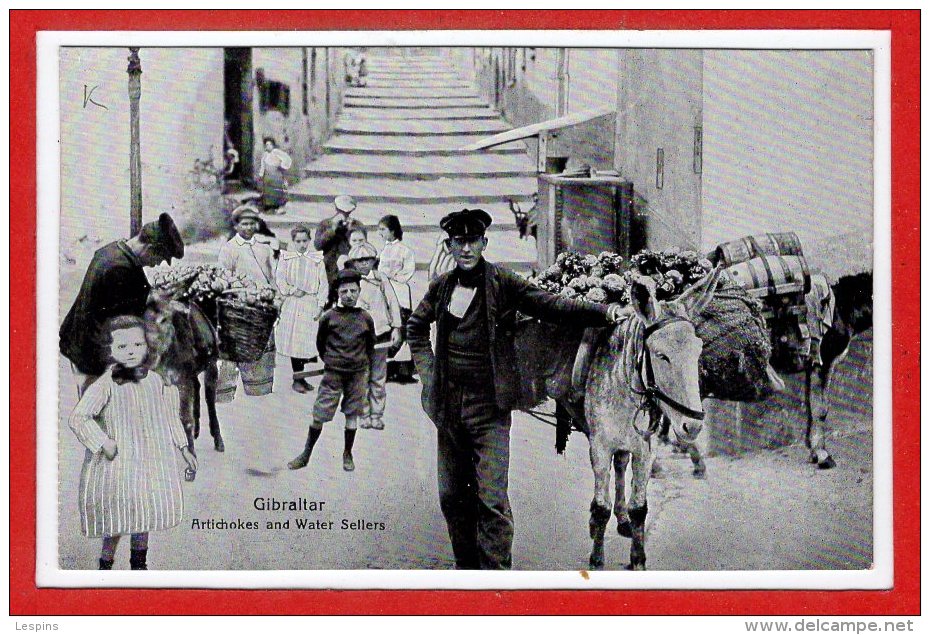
[473,463]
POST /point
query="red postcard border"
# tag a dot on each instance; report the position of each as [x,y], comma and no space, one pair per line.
[903,599]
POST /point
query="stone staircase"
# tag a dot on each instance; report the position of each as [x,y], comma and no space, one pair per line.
[396,149]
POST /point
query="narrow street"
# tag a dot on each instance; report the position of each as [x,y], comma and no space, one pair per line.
[396,149]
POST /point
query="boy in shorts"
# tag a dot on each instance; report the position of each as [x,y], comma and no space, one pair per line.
[346,343]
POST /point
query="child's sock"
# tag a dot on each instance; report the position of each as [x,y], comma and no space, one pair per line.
[304,457]
[108,552]
[347,463]
[138,551]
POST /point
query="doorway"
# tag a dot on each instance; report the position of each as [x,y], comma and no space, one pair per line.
[237,111]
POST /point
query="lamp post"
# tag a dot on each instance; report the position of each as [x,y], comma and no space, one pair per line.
[135,157]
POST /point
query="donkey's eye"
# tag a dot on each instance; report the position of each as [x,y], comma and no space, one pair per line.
[663,357]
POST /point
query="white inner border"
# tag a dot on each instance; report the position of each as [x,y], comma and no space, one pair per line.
[49,575]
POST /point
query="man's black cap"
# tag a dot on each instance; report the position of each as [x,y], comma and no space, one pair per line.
[164,236]
[347,275]
[468,222]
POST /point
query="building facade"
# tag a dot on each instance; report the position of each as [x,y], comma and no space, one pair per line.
[718,143]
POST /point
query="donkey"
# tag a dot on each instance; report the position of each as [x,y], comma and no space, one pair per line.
[185,344]
[647,369]
[842,311]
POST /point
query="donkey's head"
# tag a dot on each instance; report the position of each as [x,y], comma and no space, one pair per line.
[159,324]
[669,366]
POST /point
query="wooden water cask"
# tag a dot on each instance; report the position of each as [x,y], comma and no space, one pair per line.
[768,276]
[749,247]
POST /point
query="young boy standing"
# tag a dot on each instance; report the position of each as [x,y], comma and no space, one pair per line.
[346,343]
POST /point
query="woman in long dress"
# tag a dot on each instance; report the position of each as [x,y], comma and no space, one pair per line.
[398,264]
[273,175]
[301,278]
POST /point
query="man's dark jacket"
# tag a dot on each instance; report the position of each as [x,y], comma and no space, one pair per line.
[114,284]
[506,293]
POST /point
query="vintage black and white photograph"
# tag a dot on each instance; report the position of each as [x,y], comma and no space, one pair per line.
[328,310]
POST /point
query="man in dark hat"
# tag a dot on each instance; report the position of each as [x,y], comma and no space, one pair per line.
[332,237]
[115,284]
[470,383]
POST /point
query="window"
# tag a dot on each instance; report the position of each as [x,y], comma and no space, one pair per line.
[272,95]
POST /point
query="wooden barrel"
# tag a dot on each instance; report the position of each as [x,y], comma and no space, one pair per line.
[749,247]
[767,276]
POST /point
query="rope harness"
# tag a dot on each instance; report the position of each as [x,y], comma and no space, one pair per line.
[651,393]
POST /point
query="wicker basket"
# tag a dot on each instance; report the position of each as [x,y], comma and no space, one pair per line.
[736,347]
[244,330]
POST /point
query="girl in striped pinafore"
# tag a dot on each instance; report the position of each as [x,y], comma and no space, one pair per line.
[129,421]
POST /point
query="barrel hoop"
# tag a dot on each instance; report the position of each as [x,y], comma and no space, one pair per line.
[765,263]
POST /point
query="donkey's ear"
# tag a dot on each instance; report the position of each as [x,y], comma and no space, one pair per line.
[696,298]
[643,298]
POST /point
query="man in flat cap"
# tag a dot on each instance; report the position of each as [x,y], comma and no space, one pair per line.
[470,383]
[115,284]
[332,237]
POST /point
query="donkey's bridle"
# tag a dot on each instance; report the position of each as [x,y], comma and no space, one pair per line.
[652,394]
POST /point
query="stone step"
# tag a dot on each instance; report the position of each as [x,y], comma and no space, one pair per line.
[420,128]
[414,102]
[418,146]
[442,190]
[413,216]
[374,92]
[448,114]
[504,244]
[384,64]
[378,75]
[421,168]
[419,82]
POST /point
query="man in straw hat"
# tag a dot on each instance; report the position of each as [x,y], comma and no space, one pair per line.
[470,383]
[115,284]
[244,253]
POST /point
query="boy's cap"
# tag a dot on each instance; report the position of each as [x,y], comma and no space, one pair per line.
[244,211]
[345,204]
[346,276]
[360,252]
[468,222]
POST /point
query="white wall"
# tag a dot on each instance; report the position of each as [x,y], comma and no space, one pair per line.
[181,120]
[788,146]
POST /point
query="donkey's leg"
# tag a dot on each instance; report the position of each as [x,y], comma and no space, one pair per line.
[185,391]
[621,459]
[195,403]
[601,459]
[638,509]
[211,377]
[699,469]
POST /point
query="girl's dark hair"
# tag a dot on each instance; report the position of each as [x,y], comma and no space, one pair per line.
[300,229]
[271,139]
[393,225]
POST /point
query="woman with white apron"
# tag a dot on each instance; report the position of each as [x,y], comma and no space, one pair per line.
[398,264]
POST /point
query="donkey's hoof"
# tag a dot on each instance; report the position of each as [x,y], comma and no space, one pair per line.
[624,528]
[596,562]
[638,566]
[218,444]
[699,473]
